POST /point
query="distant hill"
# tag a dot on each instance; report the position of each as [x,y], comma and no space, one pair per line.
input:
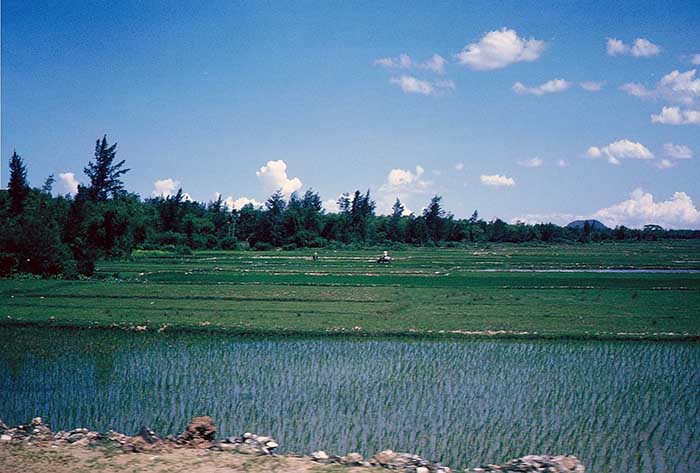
[579,224]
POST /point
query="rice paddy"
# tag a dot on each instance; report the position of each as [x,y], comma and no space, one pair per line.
[648,290]
[618,405]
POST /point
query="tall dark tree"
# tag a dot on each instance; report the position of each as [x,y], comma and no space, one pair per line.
[17,186]
[434,216]
[104,174]
[394,231]
[48,184]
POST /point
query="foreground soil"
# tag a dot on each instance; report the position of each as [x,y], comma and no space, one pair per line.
[34,458]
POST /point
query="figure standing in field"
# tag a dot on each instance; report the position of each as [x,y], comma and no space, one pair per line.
[315,255]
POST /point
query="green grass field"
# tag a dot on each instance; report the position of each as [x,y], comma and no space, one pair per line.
[438,292]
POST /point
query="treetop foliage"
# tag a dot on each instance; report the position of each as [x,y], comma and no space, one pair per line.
[64,235]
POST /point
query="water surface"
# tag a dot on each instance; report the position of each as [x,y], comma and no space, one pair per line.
[619,406]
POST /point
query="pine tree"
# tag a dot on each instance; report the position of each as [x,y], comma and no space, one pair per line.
[17,186]
[103,173]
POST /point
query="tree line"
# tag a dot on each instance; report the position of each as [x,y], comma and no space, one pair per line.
[65,235]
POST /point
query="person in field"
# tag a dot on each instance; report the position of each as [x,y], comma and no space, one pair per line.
[385,258]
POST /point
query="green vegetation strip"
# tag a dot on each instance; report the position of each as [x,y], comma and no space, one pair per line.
[433,293]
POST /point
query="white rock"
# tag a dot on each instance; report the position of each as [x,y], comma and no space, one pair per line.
[5,438]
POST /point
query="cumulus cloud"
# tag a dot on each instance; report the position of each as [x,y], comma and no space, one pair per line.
[622,149]
[549,87]
[404,184]
[640,209]
[496,180]
[331,205]
[531,163]
[459,167]
[616,47]
[677,87]
[273,177]
[239,203]
[592,86]
[165,187]
[403,61]
[68,182]
[676,116]
[562,163]
[644,48]
[641,47]
[402,178]
[636,90]
[413,85]
[677,151]
[435,63]
[498,49]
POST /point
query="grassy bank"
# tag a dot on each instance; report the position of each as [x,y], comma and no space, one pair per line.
[457,292]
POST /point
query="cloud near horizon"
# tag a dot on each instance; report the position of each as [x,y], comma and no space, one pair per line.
[273,177]
[498,49]
[638,210]
[68,182]
[165,187]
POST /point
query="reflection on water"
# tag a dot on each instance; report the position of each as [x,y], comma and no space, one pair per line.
[620,406]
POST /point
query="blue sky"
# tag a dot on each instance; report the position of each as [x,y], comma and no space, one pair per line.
[243,97]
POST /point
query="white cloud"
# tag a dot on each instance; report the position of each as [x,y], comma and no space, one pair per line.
[435,63]
[676,116]
[677,151]
[403,61]
[562,163]
[665,164]
[402,177]
[641,47]
[637,90]
[274,177]
[165,187]
[459,167]
[616,47]
[531,163]
[496,180]
[237,204]
[413,85]
[241,202]
[549,87]
[331,205]
[678,87]
[695,59]
[592,86]
[641,209]
[558,218]
[498,49]
[68,182]
[622,149]
[644,48]
[404,184]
